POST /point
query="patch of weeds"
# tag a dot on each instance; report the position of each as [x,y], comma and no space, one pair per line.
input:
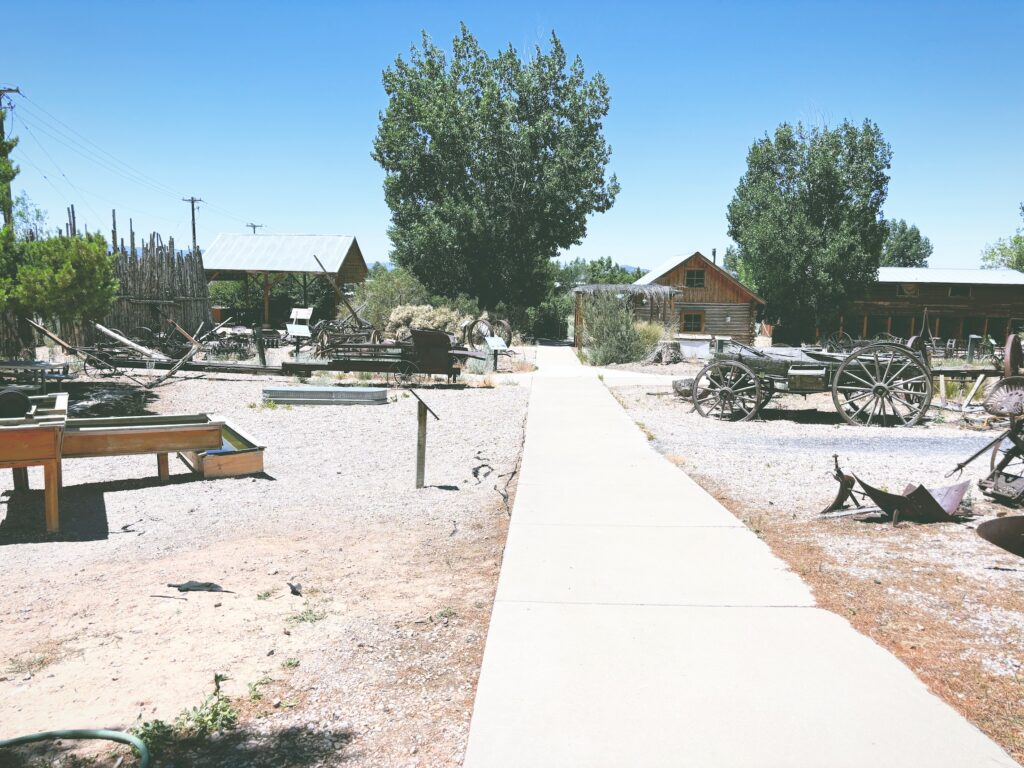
[266,405]
[290,663]
[647,433]
[255,694]
[308,615]
[158,735]
[29,663]
[215,714]
[265,595]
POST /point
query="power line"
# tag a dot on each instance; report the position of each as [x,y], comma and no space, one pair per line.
[59,169]
[97,147]
[254,227]
[98,155]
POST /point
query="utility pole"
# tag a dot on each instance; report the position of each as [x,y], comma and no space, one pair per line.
[255,227]
[193,201]
[6,201]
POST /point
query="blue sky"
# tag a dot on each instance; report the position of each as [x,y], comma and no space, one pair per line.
[268,110]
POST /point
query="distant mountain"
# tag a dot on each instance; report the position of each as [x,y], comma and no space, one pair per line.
[643,270]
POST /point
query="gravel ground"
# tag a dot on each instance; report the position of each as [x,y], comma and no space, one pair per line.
[375,664]
[944,600]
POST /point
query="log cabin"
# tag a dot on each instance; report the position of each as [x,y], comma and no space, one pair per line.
[710,303]
[959,303]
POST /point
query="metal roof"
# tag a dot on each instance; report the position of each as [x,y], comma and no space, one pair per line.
[962,276]
[629,288]
[278,253]
[664,268]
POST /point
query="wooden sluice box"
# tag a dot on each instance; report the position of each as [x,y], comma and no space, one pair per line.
[209,445]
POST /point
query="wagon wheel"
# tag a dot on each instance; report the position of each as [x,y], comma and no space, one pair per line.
[503,330]
[838,342]
[727,390]
[882,384]
[1013,356]
[1007,458]
[405,373]
[478,332]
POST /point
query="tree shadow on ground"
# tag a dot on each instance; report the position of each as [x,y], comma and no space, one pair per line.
[293,747]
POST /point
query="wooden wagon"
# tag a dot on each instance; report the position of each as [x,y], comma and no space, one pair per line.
[878,384]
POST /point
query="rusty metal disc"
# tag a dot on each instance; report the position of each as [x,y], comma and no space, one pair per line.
[1005,532]
[1006,398]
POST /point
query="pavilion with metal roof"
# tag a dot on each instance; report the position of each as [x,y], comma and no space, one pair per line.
[274,257]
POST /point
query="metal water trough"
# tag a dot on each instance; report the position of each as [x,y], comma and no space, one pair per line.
[326,395]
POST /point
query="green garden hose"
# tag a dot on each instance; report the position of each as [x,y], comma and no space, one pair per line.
[84,733]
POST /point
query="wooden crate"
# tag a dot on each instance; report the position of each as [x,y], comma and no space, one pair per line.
[237,454]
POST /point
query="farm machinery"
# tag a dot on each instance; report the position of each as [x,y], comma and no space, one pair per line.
[878,384]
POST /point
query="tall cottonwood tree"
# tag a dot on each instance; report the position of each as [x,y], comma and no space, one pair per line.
[807,220]
[905,246]
[493,166]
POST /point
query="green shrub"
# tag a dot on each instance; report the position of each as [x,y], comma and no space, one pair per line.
[383,291]
[611,333]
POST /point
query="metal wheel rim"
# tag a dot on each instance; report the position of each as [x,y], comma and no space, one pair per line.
[879,382]
[839,341]
[478,332]
[1016,464]
[405,374]
[1013,356]
[727,391]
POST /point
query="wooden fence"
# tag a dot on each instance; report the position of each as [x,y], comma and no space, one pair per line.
[159,284]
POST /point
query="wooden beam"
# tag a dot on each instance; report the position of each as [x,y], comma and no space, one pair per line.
[145,351]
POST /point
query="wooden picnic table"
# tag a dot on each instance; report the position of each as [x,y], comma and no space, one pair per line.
[34,370]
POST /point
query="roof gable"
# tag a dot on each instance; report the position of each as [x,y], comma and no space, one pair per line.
[676,262]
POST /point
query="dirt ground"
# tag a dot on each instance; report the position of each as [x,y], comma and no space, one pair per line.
[946,602]
[374,664]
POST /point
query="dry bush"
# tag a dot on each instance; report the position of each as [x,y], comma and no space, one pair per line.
[424,316]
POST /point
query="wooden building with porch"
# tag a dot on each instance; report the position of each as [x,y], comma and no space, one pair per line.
[958,302]
[272,258]
[710,302]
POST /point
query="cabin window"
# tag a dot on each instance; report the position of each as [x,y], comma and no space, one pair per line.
[693,322]
[906,289]
[695,278]
[960,291]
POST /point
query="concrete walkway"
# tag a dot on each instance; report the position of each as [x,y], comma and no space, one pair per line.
[638,623]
